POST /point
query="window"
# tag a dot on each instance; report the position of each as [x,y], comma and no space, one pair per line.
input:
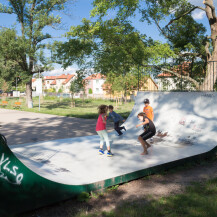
[47,82]
[97,81]
[97,89]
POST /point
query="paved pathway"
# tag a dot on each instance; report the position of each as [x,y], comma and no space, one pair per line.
[21,127]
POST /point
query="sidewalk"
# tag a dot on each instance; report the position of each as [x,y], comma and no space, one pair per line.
[21,127]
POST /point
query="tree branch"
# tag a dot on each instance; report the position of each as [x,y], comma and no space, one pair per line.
[183,77]
[161,30]
[208,4]
[188,12]
[190,54]
[177,74]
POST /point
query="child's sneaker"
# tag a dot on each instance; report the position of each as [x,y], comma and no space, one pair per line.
[101,151]
[109,154]
[124,128]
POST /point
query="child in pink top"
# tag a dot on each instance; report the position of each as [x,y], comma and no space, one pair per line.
[101,129]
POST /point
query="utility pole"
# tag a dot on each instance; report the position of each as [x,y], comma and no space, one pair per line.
[138,78]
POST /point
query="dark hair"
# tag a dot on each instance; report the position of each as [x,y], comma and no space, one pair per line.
[146,101]
[111,107]
[142,114]
[102,109]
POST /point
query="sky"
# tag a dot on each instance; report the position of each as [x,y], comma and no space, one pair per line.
[81,9]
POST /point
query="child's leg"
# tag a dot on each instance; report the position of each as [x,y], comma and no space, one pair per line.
[143,143]
[105,136]
[100,133]
[117,128]
[147,144]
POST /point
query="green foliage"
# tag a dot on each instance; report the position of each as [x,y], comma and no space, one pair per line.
[60,90]
[113,188]
[110,46]
[26,52]
[185,36]
[182,31]
[76,85]
[83,197]
[90,91]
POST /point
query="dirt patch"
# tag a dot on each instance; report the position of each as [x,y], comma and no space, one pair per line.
[144,189]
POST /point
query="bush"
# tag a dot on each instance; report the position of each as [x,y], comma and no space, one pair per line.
[90,91]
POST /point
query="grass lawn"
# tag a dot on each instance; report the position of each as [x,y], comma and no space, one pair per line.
[199,200]
[83,109]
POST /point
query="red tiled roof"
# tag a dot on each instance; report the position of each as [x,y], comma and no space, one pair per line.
[53,82]
[95,76]
[63,76]
[49,77]
[165,75]
[69,77]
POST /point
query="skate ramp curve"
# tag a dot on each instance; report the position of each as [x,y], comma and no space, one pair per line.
[35,175]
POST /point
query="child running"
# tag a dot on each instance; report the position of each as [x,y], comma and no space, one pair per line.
[116,118]
[149,131]
[101,129]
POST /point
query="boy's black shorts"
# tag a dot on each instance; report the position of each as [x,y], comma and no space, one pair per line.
[147,135]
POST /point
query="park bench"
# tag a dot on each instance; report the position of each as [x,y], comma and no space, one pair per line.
[17,105]
[4,103]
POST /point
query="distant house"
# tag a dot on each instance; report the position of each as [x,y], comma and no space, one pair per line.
[148,85]
[93,84]
[62,82]
[33,83]
[47,82]
[168,81]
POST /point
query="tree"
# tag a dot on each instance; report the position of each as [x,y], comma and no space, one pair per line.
[4,85]
[10,45]
[90,91]
[76,86]
[176,11]
[33,17]
[109,46]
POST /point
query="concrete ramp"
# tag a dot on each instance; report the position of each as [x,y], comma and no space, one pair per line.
[39,174]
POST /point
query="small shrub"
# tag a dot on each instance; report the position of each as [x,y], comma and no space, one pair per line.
[83,197]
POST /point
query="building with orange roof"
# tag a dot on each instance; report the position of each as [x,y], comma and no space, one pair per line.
[58,82]
[168,81]
[94,84]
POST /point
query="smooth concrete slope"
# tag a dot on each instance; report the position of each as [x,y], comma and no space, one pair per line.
[51,171]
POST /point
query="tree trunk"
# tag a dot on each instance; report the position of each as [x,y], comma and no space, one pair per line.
[210,79]
[29,94]
[73,105]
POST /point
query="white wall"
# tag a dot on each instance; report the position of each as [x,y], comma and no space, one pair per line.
[97,86]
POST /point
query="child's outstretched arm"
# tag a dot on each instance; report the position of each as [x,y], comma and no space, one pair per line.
[143,123]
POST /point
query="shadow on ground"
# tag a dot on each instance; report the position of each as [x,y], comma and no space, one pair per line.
[25,127]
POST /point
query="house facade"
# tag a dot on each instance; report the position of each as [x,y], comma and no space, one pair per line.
[61,82]
[168,81]
[94,85]
[148,85]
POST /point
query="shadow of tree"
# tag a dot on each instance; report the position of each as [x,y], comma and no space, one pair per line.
[37,127]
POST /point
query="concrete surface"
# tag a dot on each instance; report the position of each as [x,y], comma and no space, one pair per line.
[189,118]
[21,127]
